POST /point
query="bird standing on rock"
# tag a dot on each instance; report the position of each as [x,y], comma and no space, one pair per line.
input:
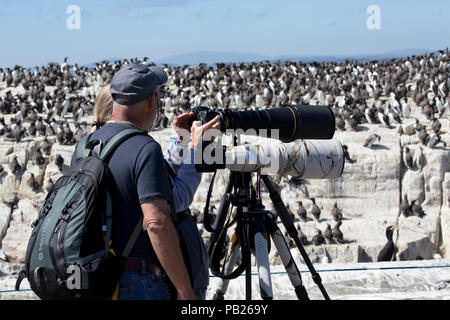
[301,235]
[347,155]
[337,233]
[315,210]
[387,253]
[407,158]
[59,161]
[371,140]
[336,213]
[318,238]
[417,209]
[405,207]
[46,146]
[328,235]
[32,183]
[301,211]
[14,166]
[423,136]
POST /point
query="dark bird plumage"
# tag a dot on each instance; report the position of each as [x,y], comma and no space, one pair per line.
[417,209]
[337,233]
[328,235]
[405,207]
[59,161]
[318,238]
[387,253]
[370,141]
[336,213]
[301,235]
[32,183]
[301,212]
[315,210]
[14,166]
[407,158]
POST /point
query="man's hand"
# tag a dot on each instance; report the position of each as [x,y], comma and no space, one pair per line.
[181,122]
[164,239]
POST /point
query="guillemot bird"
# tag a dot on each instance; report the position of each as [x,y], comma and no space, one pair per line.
[336,213]
[301,211]
[32,183]
[407,158]
[59,161]
[405,207]
[315,210]
[423,136]
[419,158]
[433,139]
[436,125]
[338,236]
[371,140]
[318,238]
[14,165]
[387,253]
[301,235]
[417,209]
[347,155]
[328,235]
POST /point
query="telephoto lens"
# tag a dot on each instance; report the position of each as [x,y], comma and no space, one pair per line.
[307,159]
[287,123]
[293,122]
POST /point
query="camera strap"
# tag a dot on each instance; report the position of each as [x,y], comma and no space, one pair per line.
[206,214]
[217,249]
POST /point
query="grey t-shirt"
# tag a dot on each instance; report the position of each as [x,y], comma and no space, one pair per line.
[138,174]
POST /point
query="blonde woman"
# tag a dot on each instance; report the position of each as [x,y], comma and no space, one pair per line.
[103,108]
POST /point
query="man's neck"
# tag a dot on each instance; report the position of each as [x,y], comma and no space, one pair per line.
[119,118]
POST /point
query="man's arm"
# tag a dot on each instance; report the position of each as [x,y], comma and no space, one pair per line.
[164,239]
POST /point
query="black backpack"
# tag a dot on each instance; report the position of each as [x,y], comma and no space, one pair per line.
[69,254]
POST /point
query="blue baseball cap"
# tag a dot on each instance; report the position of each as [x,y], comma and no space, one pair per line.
[136,81]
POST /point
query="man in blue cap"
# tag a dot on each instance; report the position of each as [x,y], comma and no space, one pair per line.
[140,186]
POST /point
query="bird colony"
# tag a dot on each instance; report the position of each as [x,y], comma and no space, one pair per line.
[392,118]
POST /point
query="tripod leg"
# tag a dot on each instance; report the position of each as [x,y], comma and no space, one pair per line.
[233,254]
[289,264]
[286,257]
[293,233]
[262,261]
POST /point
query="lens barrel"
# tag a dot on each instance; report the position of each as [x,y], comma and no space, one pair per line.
[292,121]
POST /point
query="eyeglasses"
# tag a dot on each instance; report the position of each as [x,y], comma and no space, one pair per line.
[159,92]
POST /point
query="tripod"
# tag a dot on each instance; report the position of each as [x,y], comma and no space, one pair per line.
[254,225]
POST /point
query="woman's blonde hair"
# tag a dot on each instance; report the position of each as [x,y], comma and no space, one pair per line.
[103,107]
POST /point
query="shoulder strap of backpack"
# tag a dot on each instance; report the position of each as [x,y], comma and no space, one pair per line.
[81,146]
[118,139]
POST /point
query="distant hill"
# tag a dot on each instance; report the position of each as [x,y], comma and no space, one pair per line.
[212,57]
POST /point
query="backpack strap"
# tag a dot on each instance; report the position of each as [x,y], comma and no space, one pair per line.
[130,244]
[118,139]
[81,146]
[104,154]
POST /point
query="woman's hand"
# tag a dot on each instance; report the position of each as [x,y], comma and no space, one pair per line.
[198,131]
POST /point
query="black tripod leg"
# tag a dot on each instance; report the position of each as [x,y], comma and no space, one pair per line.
[246,254]
[286,219]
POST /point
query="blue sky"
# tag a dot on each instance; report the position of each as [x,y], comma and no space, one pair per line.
[35,32]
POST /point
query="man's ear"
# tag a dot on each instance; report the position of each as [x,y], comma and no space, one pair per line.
[151,101]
